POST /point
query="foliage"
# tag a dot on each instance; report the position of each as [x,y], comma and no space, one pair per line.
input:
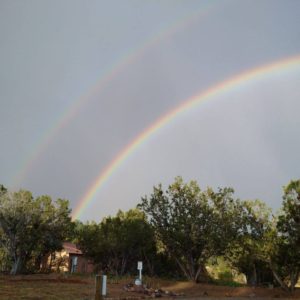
[177,232]
[249,252]
[3,189]
[31,227]
[191,224]
[286,259]
[117,243]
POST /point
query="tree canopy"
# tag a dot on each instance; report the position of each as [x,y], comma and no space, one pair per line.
[174,231]
[31,227]
[286,259]
[117,243]
[191,224]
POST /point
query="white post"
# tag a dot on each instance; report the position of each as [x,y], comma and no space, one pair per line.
[104,280]
[140,268]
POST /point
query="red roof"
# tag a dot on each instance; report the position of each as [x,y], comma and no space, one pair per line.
[71,248]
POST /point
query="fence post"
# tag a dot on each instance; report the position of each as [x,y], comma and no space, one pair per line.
[97,287]
[104,283]
[100,287]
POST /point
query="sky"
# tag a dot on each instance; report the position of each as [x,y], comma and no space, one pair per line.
[79,81]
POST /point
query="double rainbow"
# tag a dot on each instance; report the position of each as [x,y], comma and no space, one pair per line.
[228,85]
[127,58]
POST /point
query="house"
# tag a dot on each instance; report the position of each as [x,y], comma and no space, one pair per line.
[70,259]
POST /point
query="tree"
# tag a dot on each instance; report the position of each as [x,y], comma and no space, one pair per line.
[55,226]
[4,259]
[3,189]
[136,241]
[286,259]
[31,227]
[191,224]
[87,236]
[117,243]
[249,251]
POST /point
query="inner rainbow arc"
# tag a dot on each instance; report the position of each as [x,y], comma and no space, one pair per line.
[220,88]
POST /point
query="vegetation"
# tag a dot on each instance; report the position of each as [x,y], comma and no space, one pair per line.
[30,228]
[192,225]
[248,253]
[285,262]
[117,243]
[176,232]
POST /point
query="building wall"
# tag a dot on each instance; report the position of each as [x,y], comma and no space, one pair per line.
[63,261]
[83,265]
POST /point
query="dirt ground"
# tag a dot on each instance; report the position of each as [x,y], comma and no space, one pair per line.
[55,286]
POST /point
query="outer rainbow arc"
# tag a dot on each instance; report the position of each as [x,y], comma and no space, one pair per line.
[113,71]
[218,89]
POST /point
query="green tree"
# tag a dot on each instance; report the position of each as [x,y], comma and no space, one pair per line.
[3,189]
[191,224]
[136,241]
[55,227]
[249,251]
[4,258]
[31,227]
[117,243]
[286,259]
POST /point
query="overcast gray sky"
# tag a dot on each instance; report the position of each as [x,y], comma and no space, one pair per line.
[128,63]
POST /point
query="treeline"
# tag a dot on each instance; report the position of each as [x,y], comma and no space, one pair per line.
[30,229]
[175,232]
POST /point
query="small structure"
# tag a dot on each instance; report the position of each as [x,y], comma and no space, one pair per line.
[69,259]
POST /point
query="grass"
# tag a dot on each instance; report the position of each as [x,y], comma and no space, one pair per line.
[45,287]
[78,287]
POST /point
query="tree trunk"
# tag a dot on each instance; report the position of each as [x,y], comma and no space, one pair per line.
[38,263]
[252,277]
[202,274]
[123,265]
[278,279]
[183,269]
[294,279]
[191,268]
[17,266]
[149,264]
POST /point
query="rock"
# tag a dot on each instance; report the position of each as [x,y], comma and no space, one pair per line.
[154,293]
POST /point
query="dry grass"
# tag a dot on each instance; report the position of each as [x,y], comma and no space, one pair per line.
[46,287]
[55,286]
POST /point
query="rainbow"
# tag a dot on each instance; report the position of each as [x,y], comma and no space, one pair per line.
[219,89]
[126,59]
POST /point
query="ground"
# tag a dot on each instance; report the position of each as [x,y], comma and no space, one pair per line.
[56,286]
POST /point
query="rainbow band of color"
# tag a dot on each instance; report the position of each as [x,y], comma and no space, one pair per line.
[216,90]
[125,60]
